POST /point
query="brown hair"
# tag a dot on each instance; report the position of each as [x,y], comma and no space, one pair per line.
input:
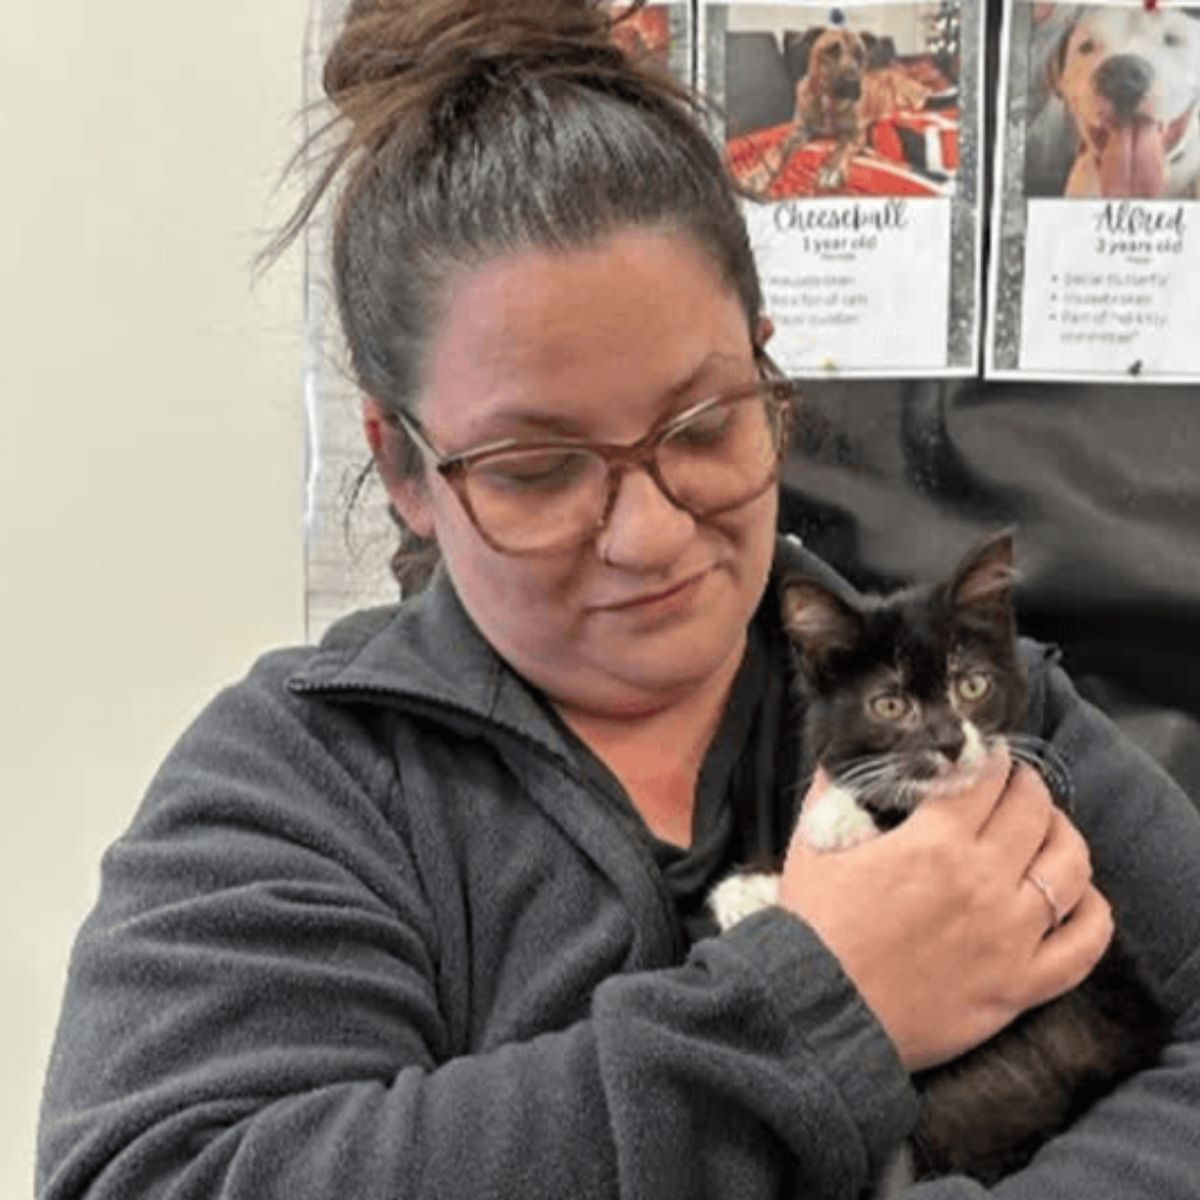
[470,129]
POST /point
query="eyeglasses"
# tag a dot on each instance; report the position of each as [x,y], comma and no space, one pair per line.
[535,497]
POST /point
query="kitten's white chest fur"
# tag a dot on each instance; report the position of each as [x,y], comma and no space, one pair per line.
[835,821]
[832,822]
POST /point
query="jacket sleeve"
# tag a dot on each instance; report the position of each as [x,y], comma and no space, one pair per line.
[1140,1142]
[252,1013]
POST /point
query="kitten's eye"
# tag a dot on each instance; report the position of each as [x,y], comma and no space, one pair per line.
[889,707]
[973,687]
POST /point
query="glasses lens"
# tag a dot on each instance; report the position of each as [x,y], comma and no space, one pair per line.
[544,498]
[724,455]
[526,500]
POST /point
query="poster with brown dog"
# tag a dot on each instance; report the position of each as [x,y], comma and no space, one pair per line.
[853,133]
[1098,192]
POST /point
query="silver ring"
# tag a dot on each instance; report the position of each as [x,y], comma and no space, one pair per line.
[1056,913]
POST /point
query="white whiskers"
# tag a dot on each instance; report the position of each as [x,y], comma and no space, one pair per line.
[887,779]
[884,776]
[1048,762]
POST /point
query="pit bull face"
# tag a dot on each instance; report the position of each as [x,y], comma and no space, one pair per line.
[1131,80]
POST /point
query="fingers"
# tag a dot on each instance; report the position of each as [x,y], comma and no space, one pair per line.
[1057,912]
[1060,874]
[1027,844]
[1068,954]
[966,939]
[1021,821]
[1016,826]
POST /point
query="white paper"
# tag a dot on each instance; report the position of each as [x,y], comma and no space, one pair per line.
[867,240]
[855,285]
[1086,285]
[1101,299]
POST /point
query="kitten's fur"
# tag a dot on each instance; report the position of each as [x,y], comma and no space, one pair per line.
[946,656]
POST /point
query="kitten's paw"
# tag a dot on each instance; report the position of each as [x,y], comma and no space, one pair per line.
[835,821]
[740,896]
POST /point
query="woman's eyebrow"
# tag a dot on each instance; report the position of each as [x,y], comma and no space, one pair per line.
[710,365]
[549,423]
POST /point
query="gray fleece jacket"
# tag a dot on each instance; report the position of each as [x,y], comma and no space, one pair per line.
[370,937]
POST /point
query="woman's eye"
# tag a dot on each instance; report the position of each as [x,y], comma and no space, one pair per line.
[973,687]
[535,470]
[1086,46]
[1172,40]
[889,707]
[704,429]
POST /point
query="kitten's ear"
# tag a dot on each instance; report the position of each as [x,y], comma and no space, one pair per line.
[819,621]
[985,577]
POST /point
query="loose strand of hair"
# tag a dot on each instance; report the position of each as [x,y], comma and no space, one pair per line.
[372,110]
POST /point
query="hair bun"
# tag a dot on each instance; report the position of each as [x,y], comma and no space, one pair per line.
[441,42]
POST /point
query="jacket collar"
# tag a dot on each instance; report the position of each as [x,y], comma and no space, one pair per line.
[427,654]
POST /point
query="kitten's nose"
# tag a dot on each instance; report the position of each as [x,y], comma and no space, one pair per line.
[949,740]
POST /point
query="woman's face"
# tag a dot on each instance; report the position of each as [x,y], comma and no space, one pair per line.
[602,343]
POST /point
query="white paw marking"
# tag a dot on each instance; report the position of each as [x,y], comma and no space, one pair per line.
[834,821]
[740,896]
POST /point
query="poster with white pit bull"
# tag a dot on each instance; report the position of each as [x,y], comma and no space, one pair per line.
[1096,270]
[854,131]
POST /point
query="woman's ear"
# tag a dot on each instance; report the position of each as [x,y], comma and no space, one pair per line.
[407,491]
[764,332]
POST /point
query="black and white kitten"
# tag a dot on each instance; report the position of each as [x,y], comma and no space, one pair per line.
[903,696]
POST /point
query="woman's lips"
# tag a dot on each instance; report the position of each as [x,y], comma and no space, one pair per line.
[646,601]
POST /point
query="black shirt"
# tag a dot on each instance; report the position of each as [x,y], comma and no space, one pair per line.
[746,793]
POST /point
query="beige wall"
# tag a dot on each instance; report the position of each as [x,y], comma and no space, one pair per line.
[151,448]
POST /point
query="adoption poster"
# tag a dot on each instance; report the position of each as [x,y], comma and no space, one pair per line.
[1097,205]
[854,133]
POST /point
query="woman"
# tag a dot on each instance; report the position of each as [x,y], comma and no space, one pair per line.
[412,913]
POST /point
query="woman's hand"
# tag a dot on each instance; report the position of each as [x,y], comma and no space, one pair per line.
[938,922]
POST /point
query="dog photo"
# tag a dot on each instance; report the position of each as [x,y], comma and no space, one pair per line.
[859,100]
[1114,102]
